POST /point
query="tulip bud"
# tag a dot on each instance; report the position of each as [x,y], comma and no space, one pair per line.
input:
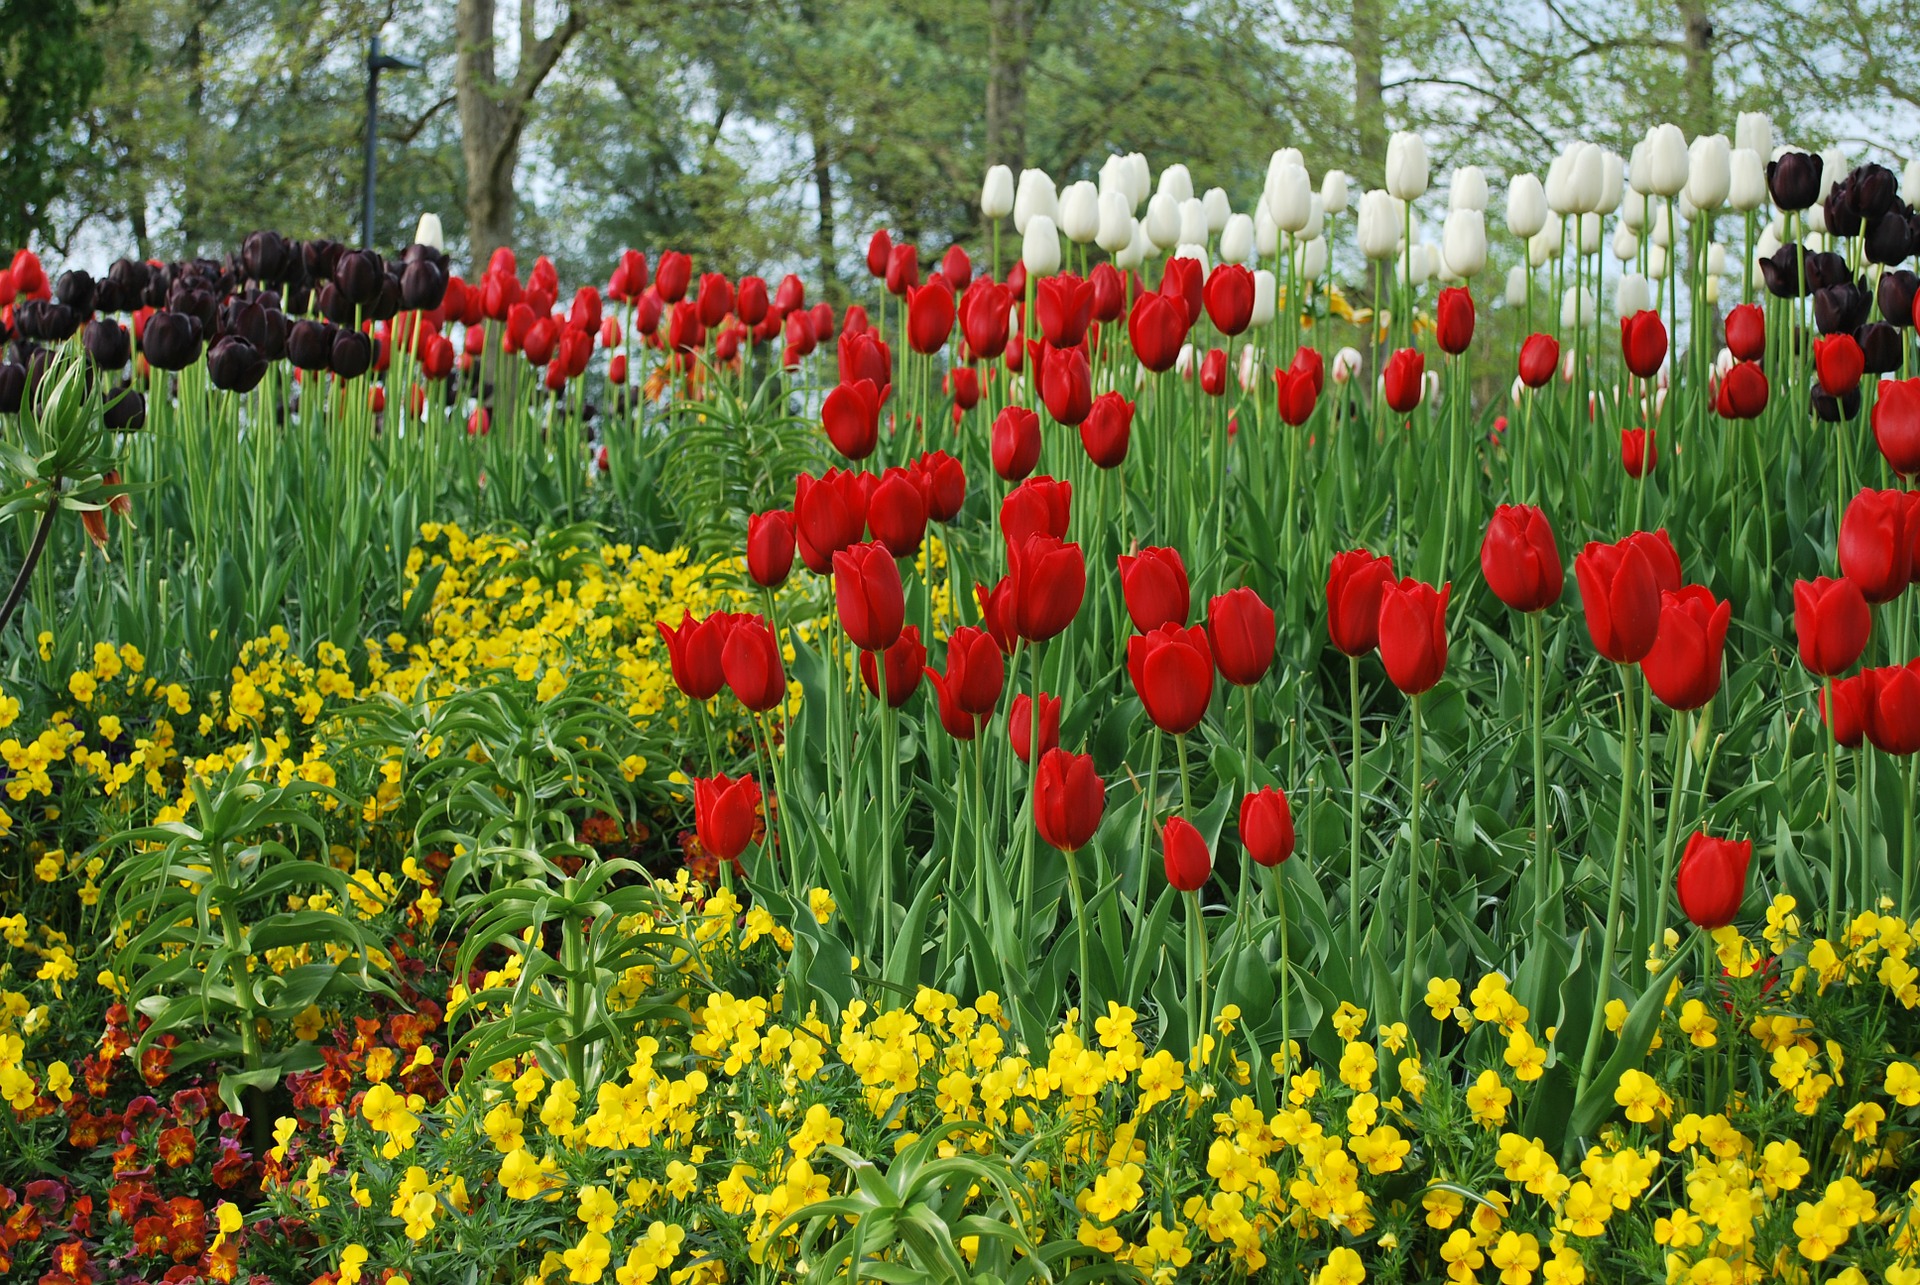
[1184,851]
[1709,171]
[1560,183]
[1177,183]
[1139,178]
[1310,260]
[1712,880]
[1080,212]
[1288,198]
[1193,223]
[996,193]
[1518,283]
[1467,189]
[1115,229]
[1217,208]
[1625,245]
[1407,166]
[1130,259]
[1631,295]
[1753,132]
[1035,196]
[1587,177]
[1577,308]
[1746,180]
[1666,161]
[1333,191]
[1236,240]
[1162,224]
[1526,206]
[1378,230]
[1466,242]
[1068,799]
[1040,246]
[428,232]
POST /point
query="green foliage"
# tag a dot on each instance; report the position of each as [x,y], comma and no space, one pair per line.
[50,65]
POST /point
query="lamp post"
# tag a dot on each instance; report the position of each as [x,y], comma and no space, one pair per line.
[377,62]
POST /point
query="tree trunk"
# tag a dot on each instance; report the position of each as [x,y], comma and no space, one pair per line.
[1366,46]
[1009,29]
[823,193]
[1698,22]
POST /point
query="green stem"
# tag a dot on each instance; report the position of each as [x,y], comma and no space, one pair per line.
[1353,825]
[1542,879]
[1197,980]
[1080,935]
[1412,925]
[1612,932]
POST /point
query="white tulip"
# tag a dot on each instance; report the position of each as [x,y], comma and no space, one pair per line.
[1115,232]
[1526,206]
[1612,183]
[1263,296]
[1657,262]
[1040,247]
[1631,294]
[1542,249]
[1333,191]
[1589,233]
[1266,237]
[1442,273]
[1196,252]
[1378,230]
[1637,168]
[1769,243]
[1633,210]
[1686,209]
[1753,131]
[1716,258]
[1137,249]
[1346,364]
[1163,221]
[1816,216]
[1176,183]
[1466,242]
[1709,171]
[1666,160]
[1310,261]
[1250,360]
[1467,189]
[1316,220]
[1833,167]
[1661,232]
[1517,283]
[1139,178]
[1236,239]
[428,232]
[1626,246]
[1577,308]
[1588,177]
[1517,391]
[1713,290]
[1289,198]
[996,194]
[1193,221]
[1910,182]
[1560,183]
[1415,264]
[1183,362]
[1218,209]
[1746,180]
[1407,166]
[1034,195]
[1722,362]
[1080,212]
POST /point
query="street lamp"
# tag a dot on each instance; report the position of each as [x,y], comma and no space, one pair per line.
[377,62]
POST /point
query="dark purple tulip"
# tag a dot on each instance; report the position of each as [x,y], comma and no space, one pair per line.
[75,290]
[171,340]
[13,387]
[108,343]
[352,354]
[1889,239]
[422,286]
[266,256]
[1794,180]
[1827,268]
[358,274]
[1840,307]
[1831,410]
[235,365]
[1881,344]
[1875,189]
[126,409]
[1896,296]
[309,345]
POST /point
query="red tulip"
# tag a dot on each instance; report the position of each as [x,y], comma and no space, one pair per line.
[1000,613]
[1038,505]
[964,383]
[1266,826]
[1742,393]
[751,662]
[716,298]
[985,318]
[1213,372]
[1661,556]
[436,359]
[1832,621]
[770,547]
[867,591]
[673,275]
[976,670]
[943,480]
[1896,424]
[1154,584]
[750,302]
[897,513]
[1188,863]
[1157,327]
[930,315]
[1229,298]
[1876,544]
[1109,292]
[1413,634]
[1306,361]
[906,659]
[1643,342]
[1296,395]
[1172,671]
[820,317]
[1066,384]
[1068,799]
[539,340]
[851,417]
[1404,380]
[499,293]
[903,270]
[879,253]
[1016,443]
[1621,598]
[647,311]
[864,356]
[791,296]
[829,514]
[956,267]
[1712,881]
[684,331]
[1639,452]
[1892,707]
[1453,320]
[1683,669]
[629,277]
[584,314]
[1049,580]
[1847,720]
[1063,305]
[1020,725]
[1240,630]
[1107,430]
[726,811]
[1539,358]
[1747,332]
[1520,559]
[1839,362]
[693,653]
[1181,281]
[1355,583]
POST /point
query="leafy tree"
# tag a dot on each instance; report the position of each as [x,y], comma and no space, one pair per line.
[49,64]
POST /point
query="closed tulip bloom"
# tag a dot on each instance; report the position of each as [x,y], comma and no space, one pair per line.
[1892,707]
[1040,246]
[964,383]
[1241,633]
[1742,392]
[851,417]
[1712,880]
[1266,826]
[1793,180]
[996,193]
[1621,597]
[1063,305]
[830,514]
[1709,171]
[929,315]
[1639,452]
[1846,717]
[1172,672]
[716,298]
[1526,206]
[1066,385]
[976,669]
[1356,581]
[770,545]
[1107,429]
[1016,443]
[1039,505]
[1839,363]
[1404,380]
[956,267]
[1539,358]
[1154,585]
[957,722]
[751,662]
[1876,543]
[1157,327]
[1520,559]
[1643,343]
[1188,863]
[1407,166]
[1068,799]
[1183,280]
[1228,297]
[1296,396]
[672,276]
[1413,634]
[897,513]
[1896,425]
[1109,293]
[693,653]
[1049,581]
[725,813]
[879,253]
[1020,725]
[985,314]
[1747,332]
[906,660]
[1683,668]
[943,481]
[1213,372]
[1453,320]
[1463,243]
[1832,621]
[868,593]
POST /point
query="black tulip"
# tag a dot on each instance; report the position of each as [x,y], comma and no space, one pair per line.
[264,256]
[1825,268]
[198,302]
[52,322]
[126,410]
[1831,410]
[110,296]
[1896,293]
[1842,213]
[299,296]
[272,339]
[130,274]
[1875,189]
[358,274]
[235,365]
[1881,345]
[386,302]
[333,304]
[1780,272]
[1842,307]
[75,290]
[154,293]
[171,340]
[1888,240]
[422,286]
[352,354]
[310,345]
[320,258]
[108,343]
[1794,180]
[13,387]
